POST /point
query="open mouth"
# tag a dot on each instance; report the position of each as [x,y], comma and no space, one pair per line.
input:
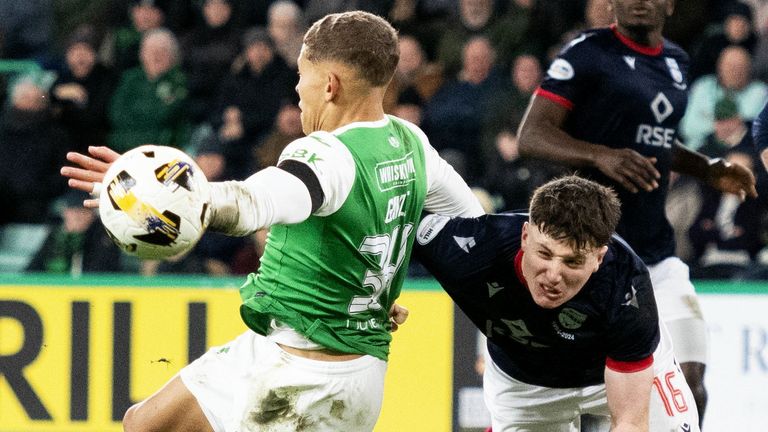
[550,293]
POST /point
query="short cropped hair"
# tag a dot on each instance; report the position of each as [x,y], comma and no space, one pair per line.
[579,211]
[361,40]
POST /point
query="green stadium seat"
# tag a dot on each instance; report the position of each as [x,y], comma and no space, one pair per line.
[19,243]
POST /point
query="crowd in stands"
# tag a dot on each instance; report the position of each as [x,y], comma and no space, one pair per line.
[216,78]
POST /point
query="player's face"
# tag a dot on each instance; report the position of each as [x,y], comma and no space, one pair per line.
[642,14]
[311,89]
[553,270]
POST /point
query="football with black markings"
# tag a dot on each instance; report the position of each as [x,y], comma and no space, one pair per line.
[155,202]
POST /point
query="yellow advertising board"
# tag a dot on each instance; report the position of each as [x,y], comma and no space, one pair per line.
[74,356]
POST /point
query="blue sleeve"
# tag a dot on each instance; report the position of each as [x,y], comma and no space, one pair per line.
[634,326]
[458,250]
[760,130]
[567,78]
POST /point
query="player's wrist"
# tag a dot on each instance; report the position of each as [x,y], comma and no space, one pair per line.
[715,168]
[225,209]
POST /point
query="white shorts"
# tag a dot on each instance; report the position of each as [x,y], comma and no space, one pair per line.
[679,308]
[251,384]
[519,407]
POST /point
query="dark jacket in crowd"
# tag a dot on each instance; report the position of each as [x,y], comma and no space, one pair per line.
[33,148]
[87,124]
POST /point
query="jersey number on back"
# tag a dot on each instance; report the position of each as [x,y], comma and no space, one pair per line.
[379,280]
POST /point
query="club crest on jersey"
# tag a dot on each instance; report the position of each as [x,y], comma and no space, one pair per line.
[561,70]
[571,318]
[674,71]
[396,173]
[429,227]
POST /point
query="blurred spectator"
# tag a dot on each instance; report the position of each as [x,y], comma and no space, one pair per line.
[286,129]
[69,15]
[120,48]
[507,105]
[149,104]
[285,25]
[415,18]
[82,92]
[506,33]
[212,255]
[26,29]
[730,129]
[737,29]
[316,9]
[726,236]
[213,160]
[453,118]
[79,244]
[689,21]
[208,52]
[413,74]
[760,14]
[733,79]
[33,149]
[409,106]
[513,178]
[247,105]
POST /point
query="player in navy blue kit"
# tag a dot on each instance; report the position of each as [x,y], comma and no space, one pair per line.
[610,105]
[568,310]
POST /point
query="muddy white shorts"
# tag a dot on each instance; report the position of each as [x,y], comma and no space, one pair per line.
[679,309]
[251,384]
[516,406]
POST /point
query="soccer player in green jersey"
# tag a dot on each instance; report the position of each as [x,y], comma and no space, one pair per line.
[343,204]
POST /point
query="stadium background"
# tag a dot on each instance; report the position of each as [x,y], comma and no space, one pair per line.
[77,346]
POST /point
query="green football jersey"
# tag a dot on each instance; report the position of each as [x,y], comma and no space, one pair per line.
[334,278]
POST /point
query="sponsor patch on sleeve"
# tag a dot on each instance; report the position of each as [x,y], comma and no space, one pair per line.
[429,227]
[561,70]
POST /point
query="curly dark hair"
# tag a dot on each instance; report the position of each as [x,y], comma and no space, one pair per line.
[577,210]
[364,41]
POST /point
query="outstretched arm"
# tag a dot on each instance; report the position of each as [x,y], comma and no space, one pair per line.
[718,173]
[629,395]
[541,135]
[273,195]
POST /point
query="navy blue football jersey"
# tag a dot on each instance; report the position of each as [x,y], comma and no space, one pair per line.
[613,317]
[623,95]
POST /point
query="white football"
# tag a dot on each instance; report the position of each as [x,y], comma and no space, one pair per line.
[155,202]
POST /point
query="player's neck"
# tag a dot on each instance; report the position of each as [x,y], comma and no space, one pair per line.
[641,36]
[360,110]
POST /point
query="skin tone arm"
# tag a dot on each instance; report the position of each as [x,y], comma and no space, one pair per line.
[541,135]
[629,399]
[718,173]
[764,157]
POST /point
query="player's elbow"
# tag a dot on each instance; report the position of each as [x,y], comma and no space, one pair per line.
[526,139]
[132,420]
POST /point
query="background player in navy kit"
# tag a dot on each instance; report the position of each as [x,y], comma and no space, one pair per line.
[568,310]
[610,105]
